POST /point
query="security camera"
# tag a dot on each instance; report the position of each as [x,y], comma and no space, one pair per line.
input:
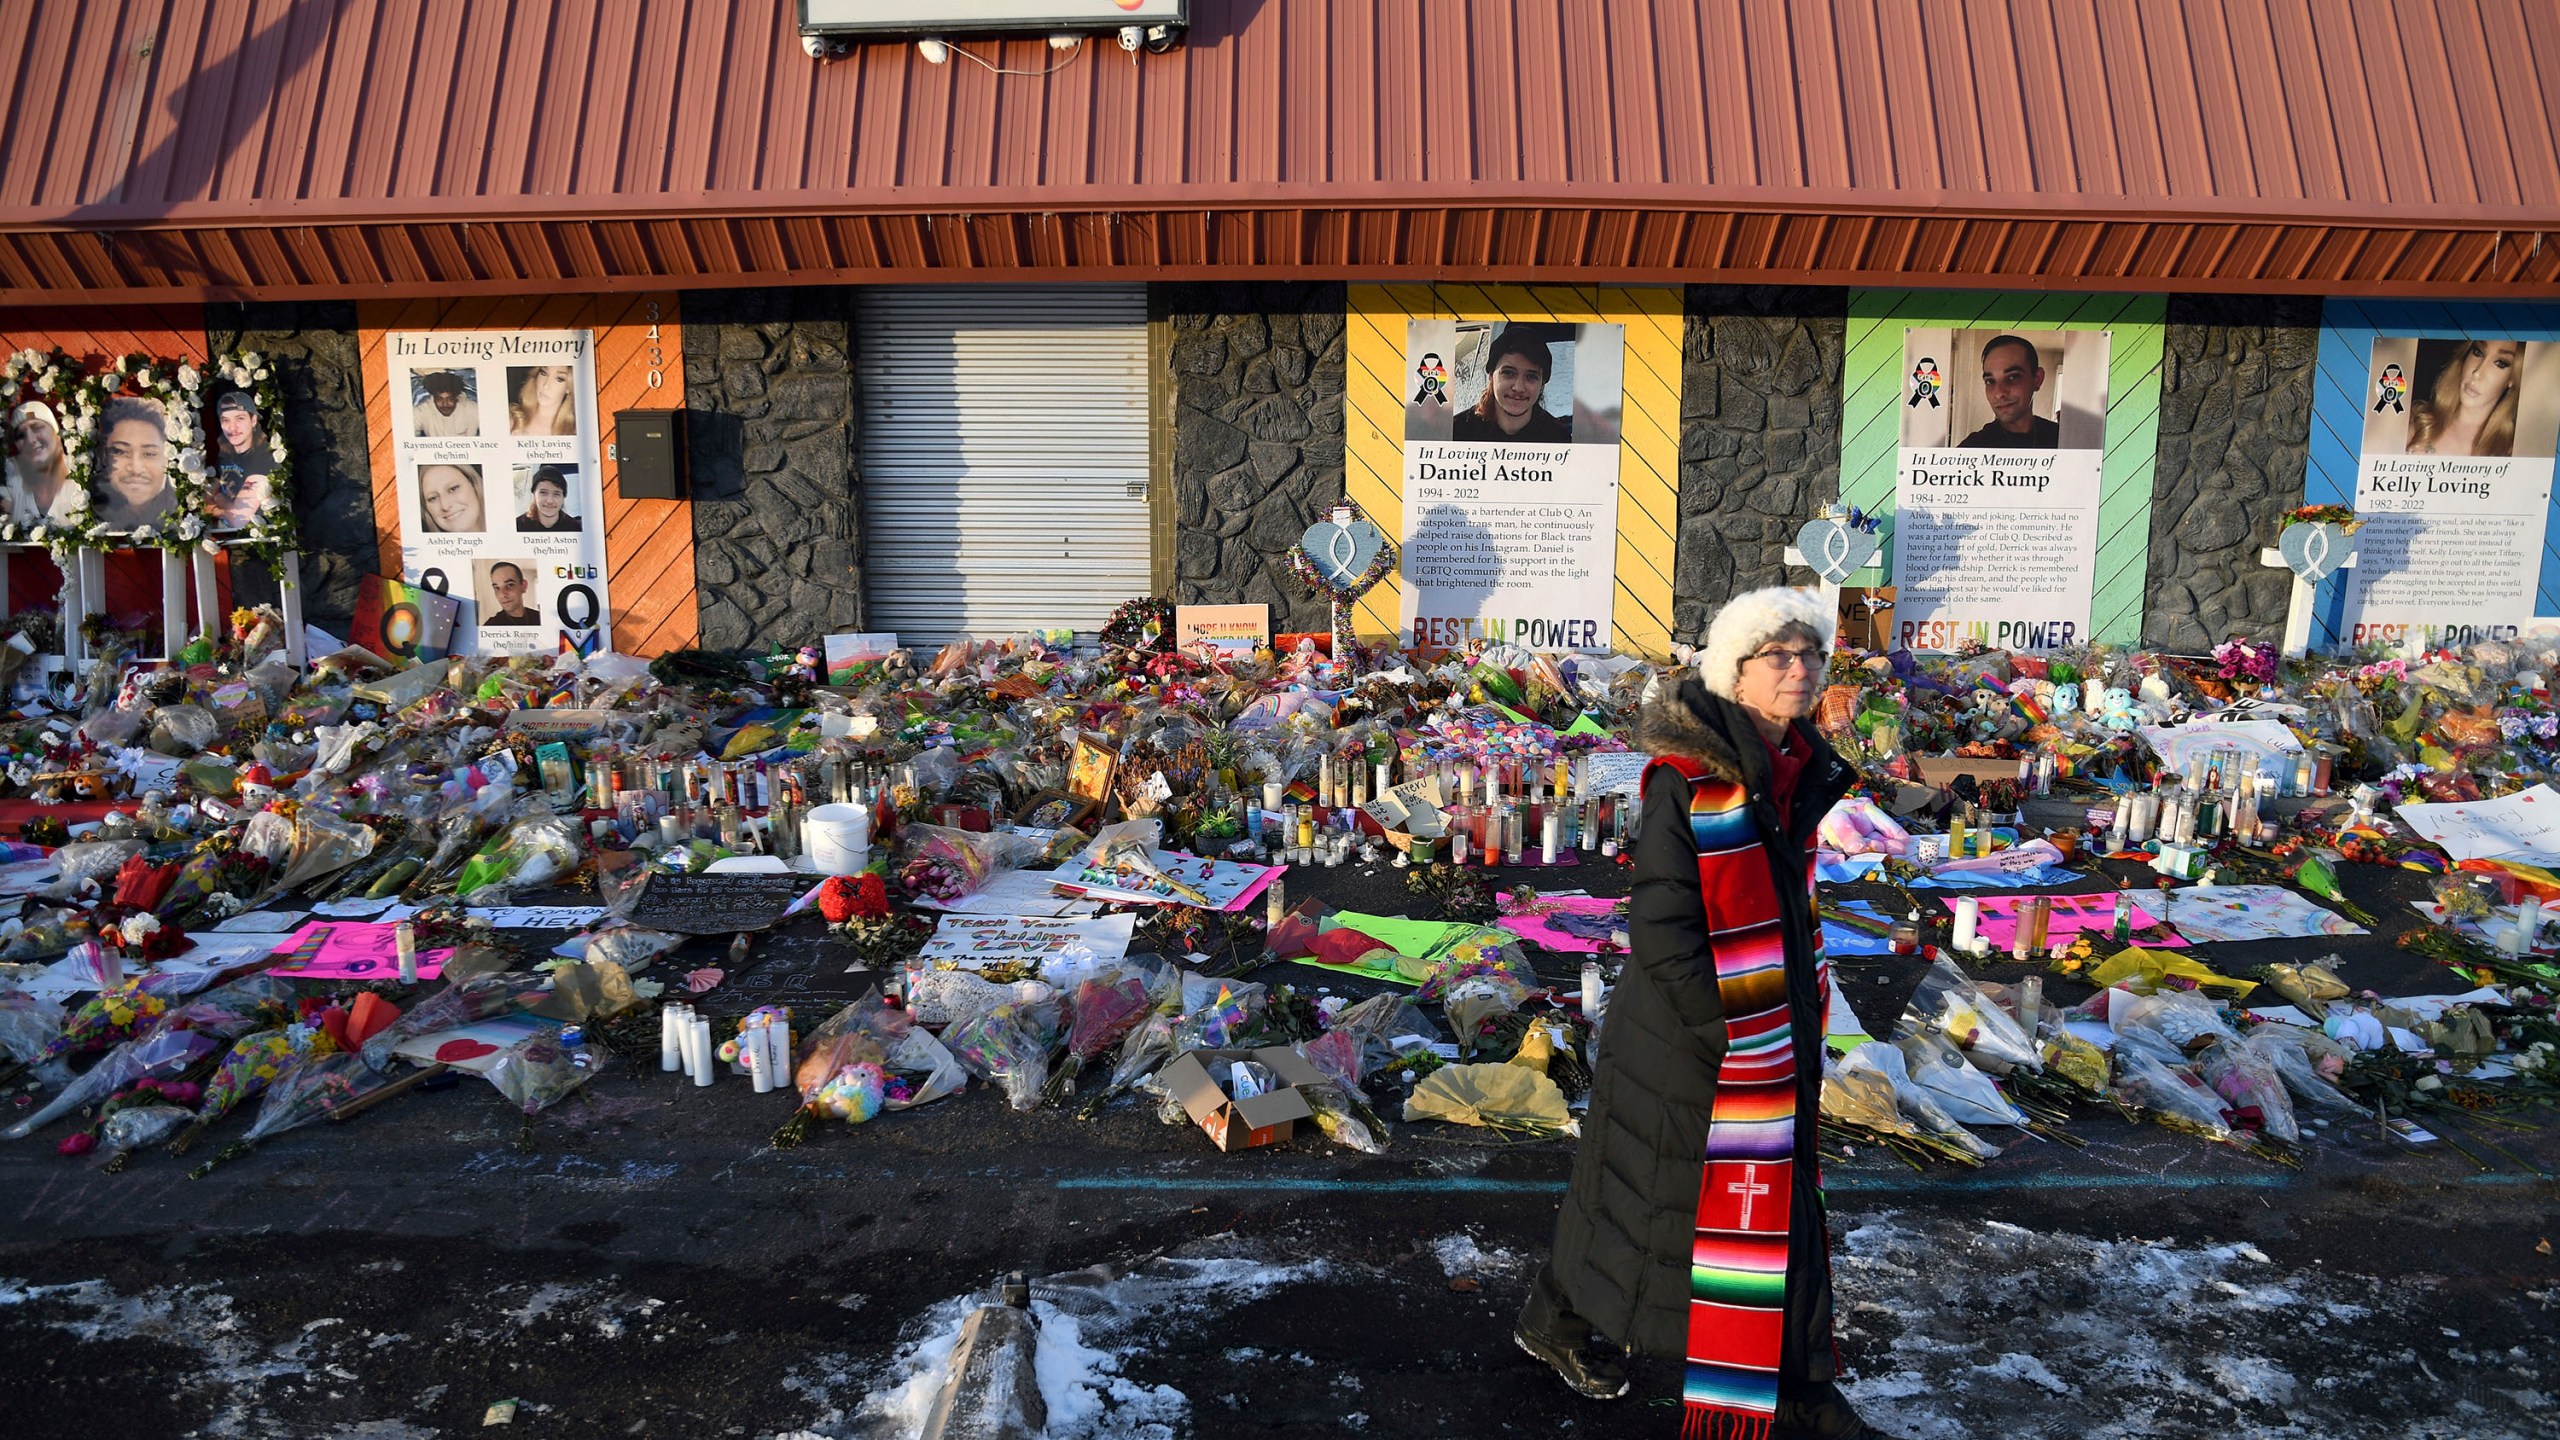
[816,45]
[1132,36]
[826,47]
[934,51]
[1161,38]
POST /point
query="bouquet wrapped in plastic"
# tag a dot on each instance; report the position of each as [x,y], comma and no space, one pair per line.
[1937,1066]
[1108,1003]
[1949,1003]
[1010,1046]
[535,849]
[253,1062]
[1861,1103]
[2252,1090]
[322,844]
[28,1023]
[2171,1094]
[1918,1104]
[937,863]
[122,1011]
[837,1064]
[2298,1056]
[538,1072]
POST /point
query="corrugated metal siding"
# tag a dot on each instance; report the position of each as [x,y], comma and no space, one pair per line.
[1004,458]
[700,123]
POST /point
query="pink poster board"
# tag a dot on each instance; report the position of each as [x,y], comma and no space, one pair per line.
[349,950]
[1534,923]
[2072,915]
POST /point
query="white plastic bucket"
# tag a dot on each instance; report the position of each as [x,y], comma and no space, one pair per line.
[839,838]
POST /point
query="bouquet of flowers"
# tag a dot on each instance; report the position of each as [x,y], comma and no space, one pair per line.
[1009,1045]
[942,864]
[1106,1006]
[2246,660]
[254,1061]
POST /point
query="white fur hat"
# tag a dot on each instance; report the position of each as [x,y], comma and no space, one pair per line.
[1751,620]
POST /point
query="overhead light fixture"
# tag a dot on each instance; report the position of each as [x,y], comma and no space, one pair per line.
[934,51]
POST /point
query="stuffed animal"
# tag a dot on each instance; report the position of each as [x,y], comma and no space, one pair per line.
[2120,712]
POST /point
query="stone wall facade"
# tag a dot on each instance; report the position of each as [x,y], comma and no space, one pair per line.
[311,346]
[1258,375]
[1760,376]
[2235,444]
[774,427]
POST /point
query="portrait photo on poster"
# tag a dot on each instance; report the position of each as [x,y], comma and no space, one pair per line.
[1978,389]
[450,500]
[239,483]
[505,591]
[444,403]
[2480,397]
[543,500]
[129,481]
[542,400]
[1526,382]
[38,468]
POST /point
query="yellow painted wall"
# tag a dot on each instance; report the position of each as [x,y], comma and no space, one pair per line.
[1649,455]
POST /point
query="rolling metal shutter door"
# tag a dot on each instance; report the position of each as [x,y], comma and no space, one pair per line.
[1004,457]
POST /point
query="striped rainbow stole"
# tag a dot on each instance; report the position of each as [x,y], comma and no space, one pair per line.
[1746,1193]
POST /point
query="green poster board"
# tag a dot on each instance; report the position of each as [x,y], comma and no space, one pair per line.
[1880,388]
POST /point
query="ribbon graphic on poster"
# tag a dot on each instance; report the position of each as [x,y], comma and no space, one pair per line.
[497,446]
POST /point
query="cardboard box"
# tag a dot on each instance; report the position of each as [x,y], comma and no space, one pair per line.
[1243,1124]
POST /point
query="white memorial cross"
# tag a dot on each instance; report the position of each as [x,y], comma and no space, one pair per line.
[2297,613]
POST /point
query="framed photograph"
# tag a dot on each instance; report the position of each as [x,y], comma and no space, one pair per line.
[1056,809]
[1089,778]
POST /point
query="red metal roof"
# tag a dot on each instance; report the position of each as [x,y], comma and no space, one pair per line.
[212,147]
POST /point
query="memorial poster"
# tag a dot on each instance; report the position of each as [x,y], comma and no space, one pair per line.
[497,444]
[1511,455]
[1998,477]
[2453,484]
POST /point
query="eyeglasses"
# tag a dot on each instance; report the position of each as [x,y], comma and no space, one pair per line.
[1793,659]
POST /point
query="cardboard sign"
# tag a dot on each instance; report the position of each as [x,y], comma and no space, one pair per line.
[1222,629]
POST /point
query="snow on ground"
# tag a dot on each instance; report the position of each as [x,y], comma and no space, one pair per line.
[1974,1326]
[1461,1255]
[1091,1322]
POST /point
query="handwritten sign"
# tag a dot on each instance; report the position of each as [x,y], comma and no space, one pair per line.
[717,904]
[338,950]
[2072,915]
[1618,773]
[2524,826]
[973,942]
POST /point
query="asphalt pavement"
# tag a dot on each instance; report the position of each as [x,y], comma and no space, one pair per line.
[650,1265]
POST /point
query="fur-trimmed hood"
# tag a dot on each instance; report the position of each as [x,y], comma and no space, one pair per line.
[1681,721]
[1752,619]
